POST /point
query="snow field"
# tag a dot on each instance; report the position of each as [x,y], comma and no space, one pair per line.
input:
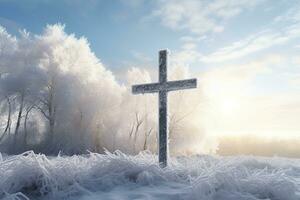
[120,176]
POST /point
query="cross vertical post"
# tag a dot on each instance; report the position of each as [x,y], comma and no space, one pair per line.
[163,110]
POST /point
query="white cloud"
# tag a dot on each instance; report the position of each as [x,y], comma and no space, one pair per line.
[192,39]
[186,56]
[292,15]
[254,43]
[199,17]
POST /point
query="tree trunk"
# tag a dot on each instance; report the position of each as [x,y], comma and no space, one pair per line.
[97,139]
[52,113]
[80,131]
[147,135]
[51,130]
[8,123]
[25,126]
[19,118]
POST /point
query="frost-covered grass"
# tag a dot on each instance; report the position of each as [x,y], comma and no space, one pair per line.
[119,176]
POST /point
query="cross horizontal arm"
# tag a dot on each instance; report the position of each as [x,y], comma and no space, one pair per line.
[146,88]
[168,86]
[181,84]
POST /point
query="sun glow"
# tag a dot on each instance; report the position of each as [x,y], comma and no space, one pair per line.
[228,106]
[224,98]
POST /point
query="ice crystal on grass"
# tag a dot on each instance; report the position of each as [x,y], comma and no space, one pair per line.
[120,176]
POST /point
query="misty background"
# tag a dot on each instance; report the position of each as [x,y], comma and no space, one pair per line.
[57,96]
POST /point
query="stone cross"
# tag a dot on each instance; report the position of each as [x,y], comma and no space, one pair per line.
[162,88]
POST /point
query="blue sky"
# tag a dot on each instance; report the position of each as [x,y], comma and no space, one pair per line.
[242,45]
[125,32]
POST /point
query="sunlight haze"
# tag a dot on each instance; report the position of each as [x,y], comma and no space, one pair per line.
[245,55]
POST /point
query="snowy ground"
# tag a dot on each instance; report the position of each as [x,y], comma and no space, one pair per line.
[118,176]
